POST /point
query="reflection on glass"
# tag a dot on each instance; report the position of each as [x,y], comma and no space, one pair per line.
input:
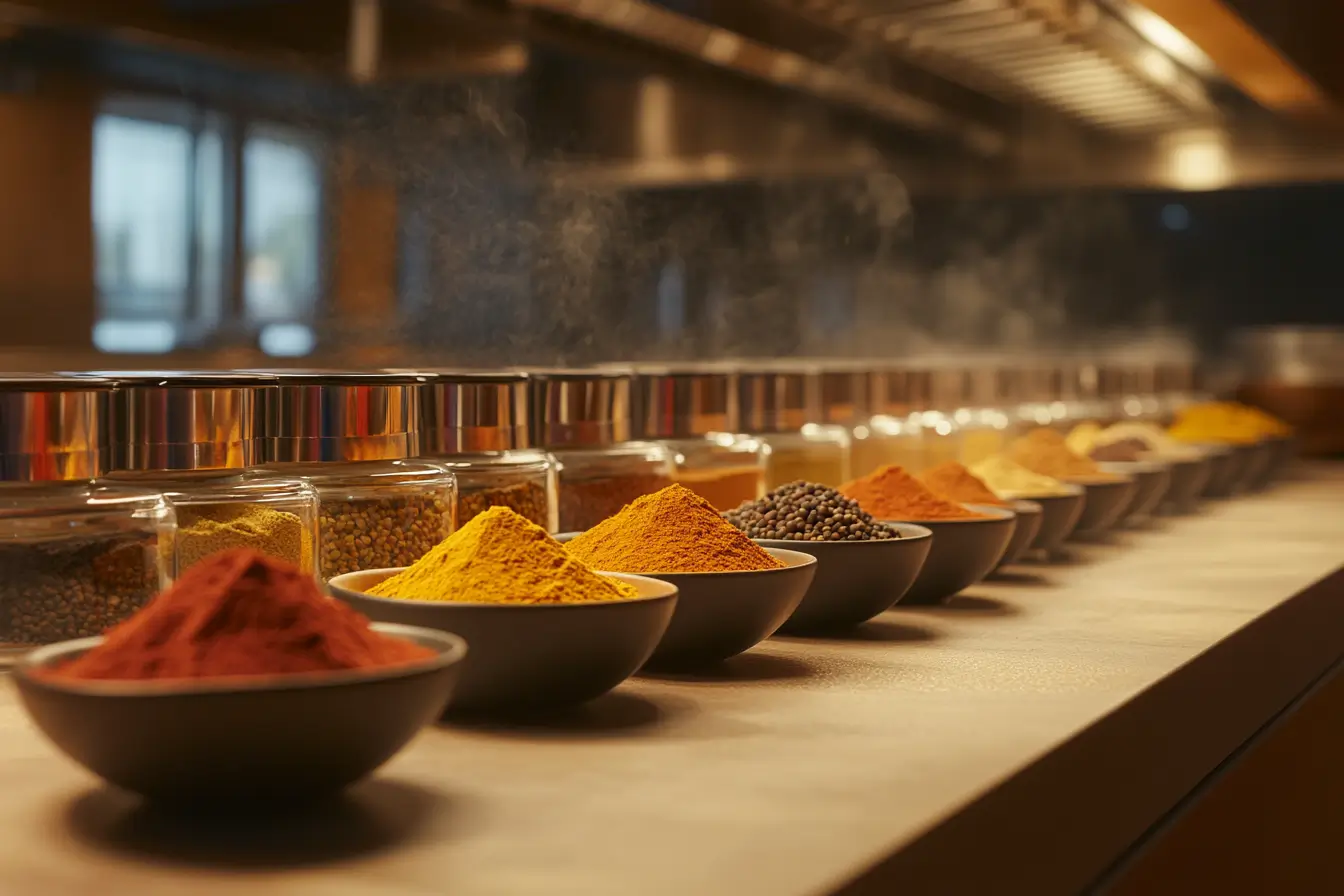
[281,194]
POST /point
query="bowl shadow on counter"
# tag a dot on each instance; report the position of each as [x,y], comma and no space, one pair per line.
[372,817]
[880,630]
[619,713]
[964,605]
[745,668]
[1020,578]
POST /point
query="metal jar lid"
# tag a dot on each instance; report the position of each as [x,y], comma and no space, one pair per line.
[579,408]
[319,416]
[51,427]
[781,399]
[467,411]
[684,402]
[163,420]
[896,391]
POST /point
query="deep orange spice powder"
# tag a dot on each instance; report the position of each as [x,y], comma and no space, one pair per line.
[953,481]
[891,493]
[239,613]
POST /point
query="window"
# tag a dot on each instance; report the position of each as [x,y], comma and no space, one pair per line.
[163,204]
[281,211]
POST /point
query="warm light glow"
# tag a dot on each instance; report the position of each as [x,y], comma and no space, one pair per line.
[1161,34]
[1198,161]
[1158,66]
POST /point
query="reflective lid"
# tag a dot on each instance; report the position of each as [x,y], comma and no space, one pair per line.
[466,411]
[576,408]
[319,416]
[898,390]
[52,427]
[184,419]
[844,392]
[778,399]
[685,402]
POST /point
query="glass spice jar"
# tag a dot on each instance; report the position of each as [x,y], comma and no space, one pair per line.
[583,418]
[475,424]
[351,435]
[274,515]
[692,411]
[781,408]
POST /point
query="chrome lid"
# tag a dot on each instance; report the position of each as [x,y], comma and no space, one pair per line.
[779,399]
[896,391]
[675,403]
[466,411]
[579,408]
[318,416]
[52,427]
[184,420]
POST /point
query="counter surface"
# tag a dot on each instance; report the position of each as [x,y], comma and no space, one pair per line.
[804,763]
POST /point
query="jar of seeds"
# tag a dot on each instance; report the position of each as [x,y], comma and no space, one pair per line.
[782,407]
[475,423]
[596,483]
[74,561]
[353,436]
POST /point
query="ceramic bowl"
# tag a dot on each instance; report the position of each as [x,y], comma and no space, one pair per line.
[1283,450]
[531,656]
[855,580]
[964,552]
[1264,464]
[1254,465]
[722,614]
[1225,468]
[1107,500]
[277,740]
[1151,481]
[1189,476]
[1059,515]
[1030,515]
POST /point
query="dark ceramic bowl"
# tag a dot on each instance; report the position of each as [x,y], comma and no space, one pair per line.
[1059,516]
[1255,465]
[532,656]
[1283,450]
[964,552]
[721,614]
[1152,479]
[1189,477]
[1029,518]
[855,580]
[275,740]
[1225,469]
[1107,500]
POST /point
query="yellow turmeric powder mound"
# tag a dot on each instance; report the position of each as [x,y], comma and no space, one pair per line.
[1046,452]
[1226,421]
[671,530]
[501,557]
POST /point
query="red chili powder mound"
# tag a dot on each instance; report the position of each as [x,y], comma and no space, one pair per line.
[239,613]
[890,493]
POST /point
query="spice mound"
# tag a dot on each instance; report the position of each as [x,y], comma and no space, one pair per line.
[672,530]
[890,493]
[807,511]
[501,558]
[240,613]
[1012,480]
[955,482]
[1045,451]
[1157,445]
[1226,421]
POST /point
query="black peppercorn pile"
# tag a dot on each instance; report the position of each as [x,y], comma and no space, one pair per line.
[806,511]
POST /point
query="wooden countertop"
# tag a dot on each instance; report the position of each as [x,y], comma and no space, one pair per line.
[1015,741]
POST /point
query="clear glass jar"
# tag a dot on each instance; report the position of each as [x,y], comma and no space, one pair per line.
[522,480]
[984,433]
[818,452]
[596,482]
[276,516]
[723,468]
[76,559]
[885,440]
[377,514]
[942,438]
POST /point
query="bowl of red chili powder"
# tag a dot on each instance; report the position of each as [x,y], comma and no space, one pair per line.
[243,683]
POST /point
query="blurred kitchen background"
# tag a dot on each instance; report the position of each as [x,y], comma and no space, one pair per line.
[385,182]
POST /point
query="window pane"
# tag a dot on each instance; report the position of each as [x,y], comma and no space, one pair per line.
[140,208]
[282,192]
[211,268]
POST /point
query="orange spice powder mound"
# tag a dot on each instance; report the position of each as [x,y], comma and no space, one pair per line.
[891,493]
[1047,452]
[953,481]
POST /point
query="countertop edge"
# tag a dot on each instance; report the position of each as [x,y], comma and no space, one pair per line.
[1060,823]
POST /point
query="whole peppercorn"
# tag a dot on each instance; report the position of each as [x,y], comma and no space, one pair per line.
[806,511]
